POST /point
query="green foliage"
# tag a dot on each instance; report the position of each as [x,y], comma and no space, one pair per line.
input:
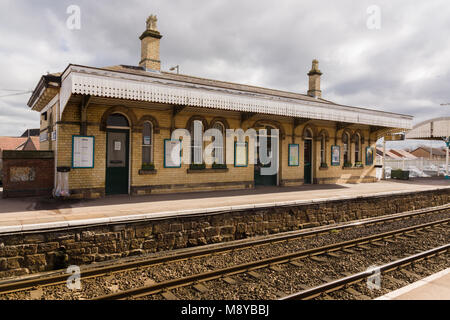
[148,166]
[197,166]
[219,166]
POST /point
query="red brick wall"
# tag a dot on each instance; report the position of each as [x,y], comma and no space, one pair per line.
[28,173]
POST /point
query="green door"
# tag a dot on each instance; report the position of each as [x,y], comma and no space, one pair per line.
[308,162]
[117,167]
[264,180]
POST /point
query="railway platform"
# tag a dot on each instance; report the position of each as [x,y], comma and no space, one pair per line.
[34,232]
[434,287]
[18,215]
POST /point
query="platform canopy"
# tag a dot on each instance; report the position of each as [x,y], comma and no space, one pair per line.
[434,129]
[126,83]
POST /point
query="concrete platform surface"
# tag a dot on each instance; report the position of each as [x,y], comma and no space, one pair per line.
[33,214]
[434,287]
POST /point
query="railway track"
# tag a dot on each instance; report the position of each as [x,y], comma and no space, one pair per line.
[61,278]
[346,283]
[226,273]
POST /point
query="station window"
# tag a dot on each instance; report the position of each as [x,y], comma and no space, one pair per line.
[345,140]
[323,147]
[147,143]
[357,148]
[218,152]
[197,142]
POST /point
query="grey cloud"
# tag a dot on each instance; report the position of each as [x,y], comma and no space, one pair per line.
[263,43]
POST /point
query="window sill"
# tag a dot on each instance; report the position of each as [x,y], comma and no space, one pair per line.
[143,172]
[323,168]
[207,170]
[352,168]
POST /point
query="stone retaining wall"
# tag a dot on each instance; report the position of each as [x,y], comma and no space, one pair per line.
[38,251]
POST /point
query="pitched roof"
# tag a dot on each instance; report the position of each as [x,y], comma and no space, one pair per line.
[403,153]
[214,83]
[31,133]
[11,143]
[436,151]
[19,143]
[135,83]
[389,154]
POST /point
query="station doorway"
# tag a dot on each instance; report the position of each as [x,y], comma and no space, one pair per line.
[117,155]
[260,179]
[308,158]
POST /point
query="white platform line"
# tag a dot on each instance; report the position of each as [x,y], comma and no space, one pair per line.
[186,213]
[413,286]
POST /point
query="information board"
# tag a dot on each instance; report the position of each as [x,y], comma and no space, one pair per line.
[172,153]
[240,154]
[83,152]
[294,155]
[335,155]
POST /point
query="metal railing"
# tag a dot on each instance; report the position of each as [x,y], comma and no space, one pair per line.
[417,167]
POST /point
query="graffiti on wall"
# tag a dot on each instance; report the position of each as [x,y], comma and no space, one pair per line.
[22,174]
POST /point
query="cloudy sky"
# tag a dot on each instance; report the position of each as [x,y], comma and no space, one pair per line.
[403,66]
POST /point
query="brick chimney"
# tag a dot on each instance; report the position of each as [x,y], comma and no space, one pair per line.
[314,80]
[150,46]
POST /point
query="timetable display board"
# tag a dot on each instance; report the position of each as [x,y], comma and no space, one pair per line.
[335,155]
[369,156]
[83,152]
[240,154]
[172,153]
[294,155]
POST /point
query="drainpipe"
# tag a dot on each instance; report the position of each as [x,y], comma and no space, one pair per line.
[383,172]
[446,158]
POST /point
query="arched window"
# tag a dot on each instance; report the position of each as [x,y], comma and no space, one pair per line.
[357,148]
[117,120]
[147,143]
[323,148]
[219,152]
[196,142]
[345,140]
[308,134]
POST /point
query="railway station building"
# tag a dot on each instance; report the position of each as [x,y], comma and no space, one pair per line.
[111,130]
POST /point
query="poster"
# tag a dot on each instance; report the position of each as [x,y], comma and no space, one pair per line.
[240,154]
[117,145]
[82,152]
[294,155]
[369,156]
[335,155]
[172,153]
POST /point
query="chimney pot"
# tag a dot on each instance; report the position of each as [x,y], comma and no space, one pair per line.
[150,46]
[314,80]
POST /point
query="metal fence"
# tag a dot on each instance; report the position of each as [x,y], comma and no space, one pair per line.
[417,168]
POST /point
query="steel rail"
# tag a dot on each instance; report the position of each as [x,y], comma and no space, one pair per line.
[55,279]
[254,265]
[343,282]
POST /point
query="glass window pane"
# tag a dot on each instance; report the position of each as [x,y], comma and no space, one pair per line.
[117,120]
[146,155]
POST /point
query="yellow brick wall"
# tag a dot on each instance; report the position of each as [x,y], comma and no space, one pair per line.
[95,178]
[167,176]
